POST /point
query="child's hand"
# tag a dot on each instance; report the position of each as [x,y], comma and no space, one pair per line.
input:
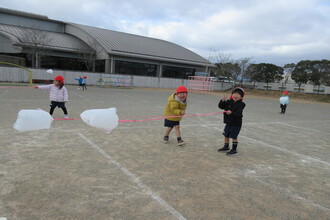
[183,112]
[228,112]
[224,98]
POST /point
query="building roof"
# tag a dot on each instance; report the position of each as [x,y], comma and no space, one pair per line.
[22,13]
[21,36]
[114,42]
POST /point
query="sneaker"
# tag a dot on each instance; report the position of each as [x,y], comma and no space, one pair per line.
[181,142]
[231,152]
[225,148]
[66,116]
[165,139]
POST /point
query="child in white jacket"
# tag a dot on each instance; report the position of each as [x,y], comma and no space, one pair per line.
[58,95]
[284,101]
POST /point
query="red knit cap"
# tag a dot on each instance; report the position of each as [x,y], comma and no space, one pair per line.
[181,89]
[59,78]
[285,92]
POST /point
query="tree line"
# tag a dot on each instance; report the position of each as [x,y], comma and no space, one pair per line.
[316,72]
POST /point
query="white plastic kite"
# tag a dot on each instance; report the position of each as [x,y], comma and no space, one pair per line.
[106,119]
[50,71]
[30,119]
[284,100]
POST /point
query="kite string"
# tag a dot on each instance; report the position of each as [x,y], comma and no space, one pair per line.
[148,118]
[174,116]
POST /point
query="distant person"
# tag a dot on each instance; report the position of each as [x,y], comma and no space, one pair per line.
[284,101]
[83,83]
[176,106]
[58,95]
[232,117]
[80,82]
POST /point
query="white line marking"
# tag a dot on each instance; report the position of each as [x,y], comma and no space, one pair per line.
[284,150]
[291,194]
[142,186]
[308,129]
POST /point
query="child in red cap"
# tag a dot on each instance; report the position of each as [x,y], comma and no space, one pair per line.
[58,95]
[84,83]
[176,106]
[284,101]
[232,117]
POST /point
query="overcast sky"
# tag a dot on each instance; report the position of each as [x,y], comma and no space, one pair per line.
[269,31]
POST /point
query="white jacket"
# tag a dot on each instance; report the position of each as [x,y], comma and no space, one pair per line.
[56,94]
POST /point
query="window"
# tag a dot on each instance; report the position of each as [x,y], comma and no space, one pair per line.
[134,68]
[178,72]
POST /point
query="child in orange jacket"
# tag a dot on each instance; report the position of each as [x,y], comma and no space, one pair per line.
[176,106]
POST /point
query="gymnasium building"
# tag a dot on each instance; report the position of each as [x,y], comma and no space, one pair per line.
[35,41]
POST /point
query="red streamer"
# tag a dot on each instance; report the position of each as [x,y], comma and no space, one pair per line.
[148,118]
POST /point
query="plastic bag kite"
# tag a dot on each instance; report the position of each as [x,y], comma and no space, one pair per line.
[29,120]
[284,100]
[50,71]
[106,119]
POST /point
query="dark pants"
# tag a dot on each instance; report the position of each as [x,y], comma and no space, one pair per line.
[231,131]
[61,105]
[171,124]
[283,108]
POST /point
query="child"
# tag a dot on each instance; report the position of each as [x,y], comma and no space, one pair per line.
[284,100]
[58,95]
[176,106]
[83,83]
[80,81]
[232,117]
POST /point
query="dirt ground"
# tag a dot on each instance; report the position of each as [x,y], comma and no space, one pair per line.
[73,171]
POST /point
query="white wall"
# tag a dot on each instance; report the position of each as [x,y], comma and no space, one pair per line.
[13,74]
[291,87]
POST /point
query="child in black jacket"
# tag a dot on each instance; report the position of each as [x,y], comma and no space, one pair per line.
[232,117]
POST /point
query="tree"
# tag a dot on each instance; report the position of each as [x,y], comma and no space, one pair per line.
[266,72]
[35,40]
[221,57]
[301,72]
[250,73]
[288,68]
[243,64]
[316,71]
[89,58]
[221,62]
[316,74]
[326,73]
[230,70]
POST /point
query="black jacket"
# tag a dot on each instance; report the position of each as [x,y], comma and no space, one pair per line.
[235,118]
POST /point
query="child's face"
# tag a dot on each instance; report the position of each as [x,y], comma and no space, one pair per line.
[56,83]
[182,96]
[236,97]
